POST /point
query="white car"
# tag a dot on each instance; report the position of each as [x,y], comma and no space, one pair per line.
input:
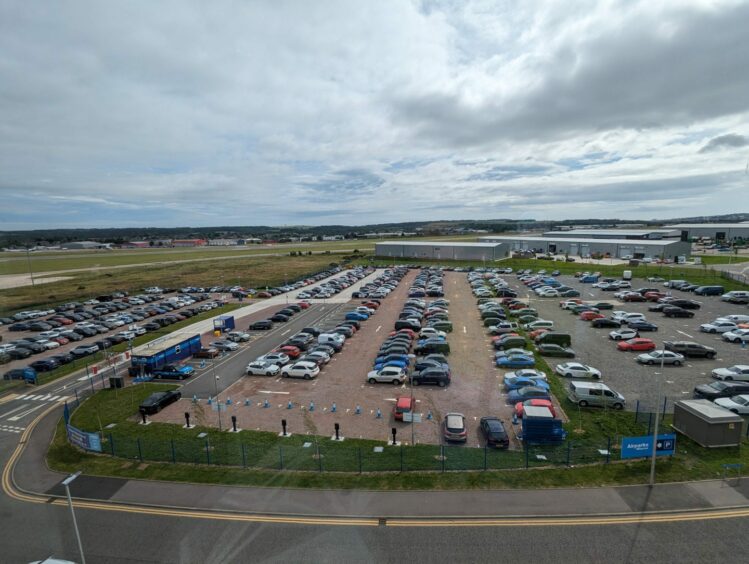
[577,370]
[626,318]
[263,368]
[738,404]
[569,305]
[736,372]
[718,326]
[738,318]
[49,345]
[527,373]
[276,358]
[301,369]
[431,332]
[623,334]
[137,329]
[49,334]
[736,336]
[388,374]
[549,293]
[225,345]
[539,324]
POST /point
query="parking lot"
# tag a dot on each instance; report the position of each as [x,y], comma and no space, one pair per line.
[620,370]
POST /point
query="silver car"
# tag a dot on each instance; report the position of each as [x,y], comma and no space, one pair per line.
[661,356]
[263,368]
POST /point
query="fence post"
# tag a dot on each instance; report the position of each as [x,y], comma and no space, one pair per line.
[608,450]
[174,454]
[91,381]
[569,451]
[77,401]
[637,411]
[319,457]
[358,450]
[485,453]
[650,422]
[280,457]
[401,458]
[111,443]
[207,452]
[442,457]
[140,450]
[244,456]
[527,456]
[663,413]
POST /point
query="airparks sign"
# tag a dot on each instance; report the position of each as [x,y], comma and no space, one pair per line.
[642,447]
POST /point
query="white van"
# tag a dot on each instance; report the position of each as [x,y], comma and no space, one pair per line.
[594,393]
[327,338]
[539,324]
[736,297]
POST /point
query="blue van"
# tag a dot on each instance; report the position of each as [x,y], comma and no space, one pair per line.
[709,290]
[28,374]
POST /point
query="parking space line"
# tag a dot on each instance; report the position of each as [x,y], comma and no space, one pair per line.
[686,334]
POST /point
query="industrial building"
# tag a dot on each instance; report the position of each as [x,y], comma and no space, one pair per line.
[615,233]
[87,245]
[714,231]
[440,250]
[588,247]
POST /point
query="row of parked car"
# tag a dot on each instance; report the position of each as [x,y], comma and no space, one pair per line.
[330,288]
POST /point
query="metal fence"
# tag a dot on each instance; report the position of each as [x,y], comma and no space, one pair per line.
[315,456]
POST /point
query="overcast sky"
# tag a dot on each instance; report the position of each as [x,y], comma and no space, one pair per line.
[249,112]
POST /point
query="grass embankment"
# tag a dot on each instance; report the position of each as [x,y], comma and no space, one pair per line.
[64,370]
[255,272]
[727,258]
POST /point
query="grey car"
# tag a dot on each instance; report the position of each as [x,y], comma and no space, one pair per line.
[661,356]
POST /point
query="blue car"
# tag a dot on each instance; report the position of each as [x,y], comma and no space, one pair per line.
[356,316]
[398,363]
[385,358]
[529,392]
[516,361]
[517,382]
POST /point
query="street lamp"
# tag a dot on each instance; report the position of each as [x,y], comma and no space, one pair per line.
[66,482]
[657,413]
[218,402]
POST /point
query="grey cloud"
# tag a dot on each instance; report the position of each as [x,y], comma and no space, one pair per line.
[722,141]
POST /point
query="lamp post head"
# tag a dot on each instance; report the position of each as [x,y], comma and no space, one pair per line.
[67,481]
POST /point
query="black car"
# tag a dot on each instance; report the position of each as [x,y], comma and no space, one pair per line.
[314,331]
[344,330]
[430,375]
[33,346]
[605,323]
[19,353]
[39,326]
[44,365]
[19,327]
[715,390]
[158,401]
[671,311]
[690,349]
[264,325]
[642,326]
[288,312]
[685,304]
[280,318]
[63,358]
[494,432]
[71,335]
[151,326]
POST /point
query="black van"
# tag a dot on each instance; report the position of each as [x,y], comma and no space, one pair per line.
[709,290]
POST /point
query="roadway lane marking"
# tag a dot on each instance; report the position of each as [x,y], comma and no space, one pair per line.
[686,334]
[464,328]
[12,411]
[378,328]
[287,331]
[272,392]
[25,413]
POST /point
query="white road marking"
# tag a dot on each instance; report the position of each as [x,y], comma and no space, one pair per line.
[464,328]
[686,334]
[14,410]
[25,413]
[287,331]
[272,392]
[378,328]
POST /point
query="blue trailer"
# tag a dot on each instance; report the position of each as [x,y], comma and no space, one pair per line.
[540,427]
[152,356]
[224,323]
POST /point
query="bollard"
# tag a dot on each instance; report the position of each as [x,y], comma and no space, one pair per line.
[290,405]
[210,400]
[312,406]
[514,418]
[429,415]
[228,401]
[357,411]
[283,426]
[187,420]
[143,415]
[194,398]
[234,423]
[379,414]
[394,431]
[333,408]
[247,402]
[266,403]
[337,429]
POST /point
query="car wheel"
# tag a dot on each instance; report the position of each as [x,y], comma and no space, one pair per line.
[582,403]
[649,362]
[441,384]
[372,381]
[710,356]
[618,406]
[677,363]
[396,382]
[285,374]
[415,383]
[713,331]
[269,373]
[729,377]
[736,411]
[306,376]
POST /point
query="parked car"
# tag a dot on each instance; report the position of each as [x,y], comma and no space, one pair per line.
[263,325]
[454,427]
[158,401]
[520,406]
[672,311]
[301,369]
[605,323]
[623,334]
[529,392]
[494,432]
[431,375]
[515,361]
[738,404]
[224,345]
[577,370]
[718,326]
[389,374]
[642,325]
[736,336]
[263,367]
[84,350]
[661,357]
[715,390]
[555,350]
[690,349]
[403,404]
[637,344]
[736,372]
[206,352]
[276,358]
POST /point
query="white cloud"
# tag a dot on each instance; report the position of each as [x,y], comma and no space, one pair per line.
[271,113]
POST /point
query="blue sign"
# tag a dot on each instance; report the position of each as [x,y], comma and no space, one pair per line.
[84,440]
[642,447]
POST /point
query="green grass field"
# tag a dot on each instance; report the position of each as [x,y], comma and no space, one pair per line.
[251,272]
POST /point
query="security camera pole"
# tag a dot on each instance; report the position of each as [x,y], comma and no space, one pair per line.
[66,482]
[659,378]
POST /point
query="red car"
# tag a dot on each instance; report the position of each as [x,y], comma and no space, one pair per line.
[576,300]
[289,350]
[537,332]
[404,404]
[654,296]
[410,332]
[371,305]
[263,295]
[591,315]
[519,305]
[634,297]
[303,305]
[637,344]
[520,406]
[503,336]
[62,340]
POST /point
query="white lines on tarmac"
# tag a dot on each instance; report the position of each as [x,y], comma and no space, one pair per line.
[464,328]
[287,331]
[686,334]
[378,328]
[12,411]
[272,392]
[11,429]
[25,413]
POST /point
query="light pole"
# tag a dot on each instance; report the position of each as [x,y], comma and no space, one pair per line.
[66,482]
[28,259]
[218,402]
[657,413]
